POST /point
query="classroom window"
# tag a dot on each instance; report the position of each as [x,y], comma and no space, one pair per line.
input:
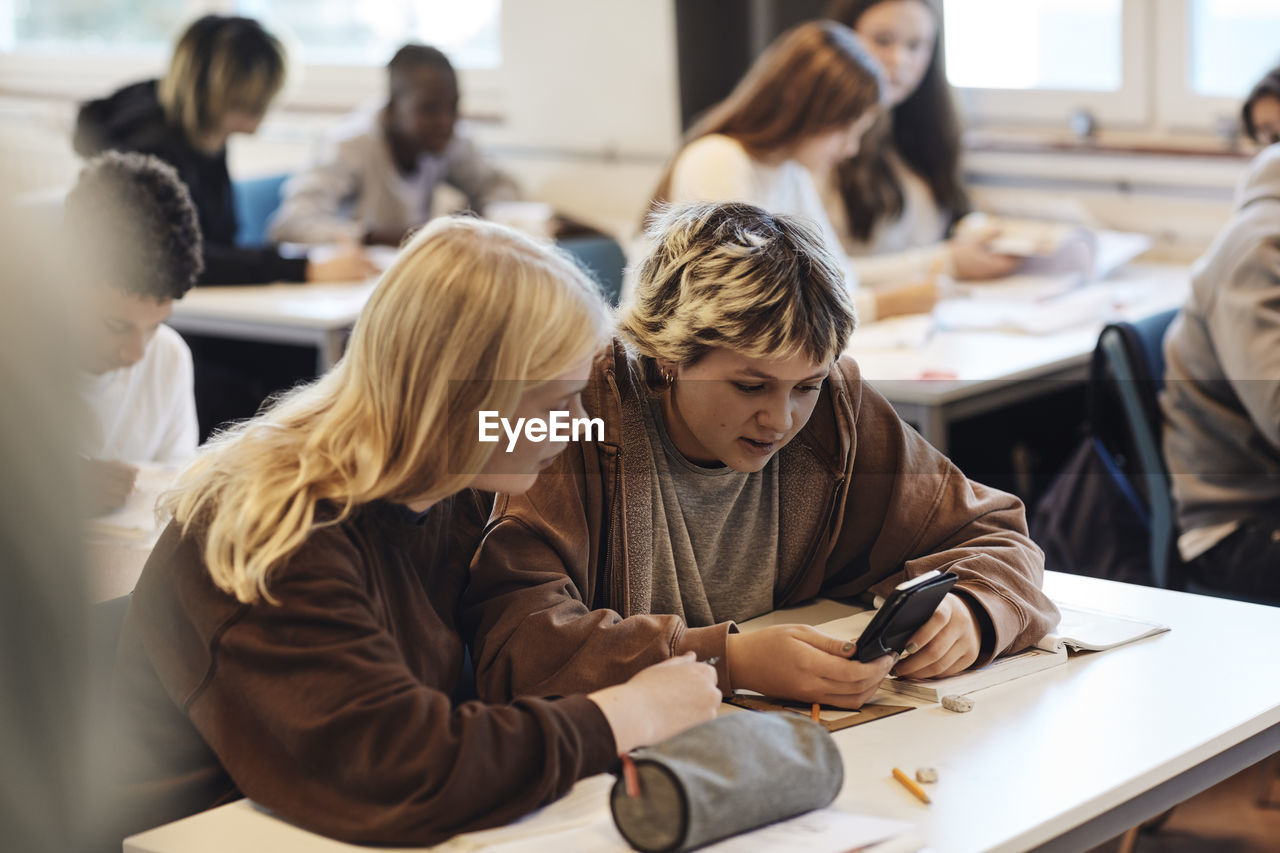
[339,32]
[1152,65]
[1232,44]
[99,26]
[1035,44]
[326,32]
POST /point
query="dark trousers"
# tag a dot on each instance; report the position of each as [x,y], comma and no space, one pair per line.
[1246,563]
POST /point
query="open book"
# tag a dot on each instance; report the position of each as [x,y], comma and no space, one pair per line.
[1081,629]
[1066,252]
[1046,292]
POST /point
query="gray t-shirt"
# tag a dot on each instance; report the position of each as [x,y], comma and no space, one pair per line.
[715,534]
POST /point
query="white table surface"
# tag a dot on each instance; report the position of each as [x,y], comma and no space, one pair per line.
[317,315]
[309,306]
[960,373]
[1064,758]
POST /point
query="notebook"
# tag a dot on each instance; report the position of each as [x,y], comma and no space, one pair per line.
[1081,629]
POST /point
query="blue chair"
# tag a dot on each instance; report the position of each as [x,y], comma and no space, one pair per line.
[256,199]
[1134,360]
[1134,354]
[601,256]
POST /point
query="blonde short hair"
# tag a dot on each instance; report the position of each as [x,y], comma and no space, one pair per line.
[220,64]
[732,275]
[469,317]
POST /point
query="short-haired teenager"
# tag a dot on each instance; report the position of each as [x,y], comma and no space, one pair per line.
[745,465]
[293,637]
[801,109]
[224,74]
[376,177]
[132,234]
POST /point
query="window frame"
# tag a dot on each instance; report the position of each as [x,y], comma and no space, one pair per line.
[1156,97]
[1178,105]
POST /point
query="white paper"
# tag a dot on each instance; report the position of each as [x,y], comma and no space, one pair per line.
[820,831]
[1083,629]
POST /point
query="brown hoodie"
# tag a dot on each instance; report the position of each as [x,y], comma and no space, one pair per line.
[868,504]
[332,707]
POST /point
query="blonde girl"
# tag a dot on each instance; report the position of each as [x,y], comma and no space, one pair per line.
[292,638]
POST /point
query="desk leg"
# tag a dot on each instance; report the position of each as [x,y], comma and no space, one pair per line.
[330,349]
[934,427]
[930,421]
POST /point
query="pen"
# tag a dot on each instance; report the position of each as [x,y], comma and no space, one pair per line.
[815,712]
[910,785]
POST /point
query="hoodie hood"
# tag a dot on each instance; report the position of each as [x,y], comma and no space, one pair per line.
[129,120]
[1262,179]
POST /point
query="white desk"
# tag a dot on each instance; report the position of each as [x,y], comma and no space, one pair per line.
[993,369]
[319,315]
[1061,760]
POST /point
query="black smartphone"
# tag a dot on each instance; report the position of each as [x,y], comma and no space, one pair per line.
[908,607]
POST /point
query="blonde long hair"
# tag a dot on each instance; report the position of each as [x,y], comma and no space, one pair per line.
[468,317]
[813,78]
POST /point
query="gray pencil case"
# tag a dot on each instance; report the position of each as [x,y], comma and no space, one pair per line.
[734,773]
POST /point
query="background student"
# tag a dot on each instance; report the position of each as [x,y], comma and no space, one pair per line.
[224,73]
[1222,399]
[894,201]
[132,230]
[1260,114]
[378,172]
[745,466]
[292,638]
[801,109]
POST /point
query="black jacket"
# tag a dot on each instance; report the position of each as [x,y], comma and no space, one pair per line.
[133,120]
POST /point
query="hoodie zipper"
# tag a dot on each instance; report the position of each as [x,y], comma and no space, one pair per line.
[606,565]
[605,580]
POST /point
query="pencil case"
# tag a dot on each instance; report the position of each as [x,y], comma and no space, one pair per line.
[734,773]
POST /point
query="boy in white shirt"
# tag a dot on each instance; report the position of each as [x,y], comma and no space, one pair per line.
[137,239]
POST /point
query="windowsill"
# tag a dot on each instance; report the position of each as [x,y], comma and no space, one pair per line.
[1024,141]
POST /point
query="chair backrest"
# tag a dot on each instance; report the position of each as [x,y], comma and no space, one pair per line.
[256,199]
[1134,359]
[603,257]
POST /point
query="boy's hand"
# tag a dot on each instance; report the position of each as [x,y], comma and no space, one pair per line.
[948,643]
[107,483]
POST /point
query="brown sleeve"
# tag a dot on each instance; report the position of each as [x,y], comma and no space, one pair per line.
[313,712]
[527,611]
[908,510]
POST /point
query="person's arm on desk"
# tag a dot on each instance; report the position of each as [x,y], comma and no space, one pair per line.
[800,662]
[312,711]
[349,264]
[107,484]
[910,510]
